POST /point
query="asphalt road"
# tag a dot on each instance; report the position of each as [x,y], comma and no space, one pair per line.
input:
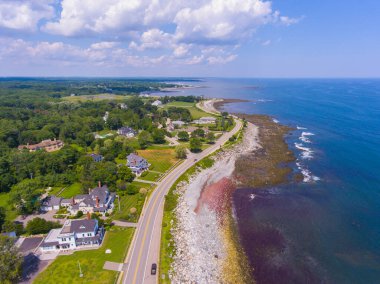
[145,248]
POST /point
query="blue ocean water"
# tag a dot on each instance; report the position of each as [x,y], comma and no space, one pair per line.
[326,229]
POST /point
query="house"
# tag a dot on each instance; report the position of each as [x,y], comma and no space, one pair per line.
[73,235]
[178,123]
[99,200]
[157,103]
[47,145]
[106,115]
[205,120]
[97,158]
[50,203]
[123,106]
[127,132]
[136,163]
[170,127]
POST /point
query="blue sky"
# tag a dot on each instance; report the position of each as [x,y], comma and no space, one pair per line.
[224,38]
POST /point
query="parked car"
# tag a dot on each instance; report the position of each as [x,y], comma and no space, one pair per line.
[153,271]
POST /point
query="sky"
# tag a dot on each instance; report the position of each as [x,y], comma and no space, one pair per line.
[198,38]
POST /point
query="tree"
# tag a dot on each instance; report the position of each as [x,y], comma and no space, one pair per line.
[158,136]
[10,226]
[124,173]
[133,210]
[181,152]
[2,216]
[144,139]
[40,226]
[198,133]
[210,137]
[10,261]
[224,114]
[195,145]
[183,136]
[143,191]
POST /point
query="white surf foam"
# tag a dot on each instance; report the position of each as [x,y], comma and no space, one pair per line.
[306,153]
[307,175]
[276,121]
[304,137]
[301,128]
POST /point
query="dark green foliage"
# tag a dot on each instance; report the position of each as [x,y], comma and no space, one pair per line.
[198,133]
[183,136]
[10,261]
[179,113]
[40,226]
[195,145]
[10,226]
[158,136]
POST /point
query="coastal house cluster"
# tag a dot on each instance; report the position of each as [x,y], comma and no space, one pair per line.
[99,200]
[73,235]
[47,145]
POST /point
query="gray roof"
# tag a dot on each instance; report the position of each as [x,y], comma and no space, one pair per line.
[101,193]
[126,130]
[133,158]
[52,201]
[79,226]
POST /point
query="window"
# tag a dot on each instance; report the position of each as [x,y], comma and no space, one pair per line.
[82,235]
[63,239]
[89,234]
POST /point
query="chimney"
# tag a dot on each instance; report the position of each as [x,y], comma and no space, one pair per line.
[97,202]
[73,201]
[89,191]
[99,184]
[88,216]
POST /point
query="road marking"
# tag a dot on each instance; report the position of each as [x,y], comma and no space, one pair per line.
[143,240]
[178,170]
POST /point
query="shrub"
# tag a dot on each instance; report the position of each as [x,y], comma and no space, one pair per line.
[40,226]
[143,191]
[133,210]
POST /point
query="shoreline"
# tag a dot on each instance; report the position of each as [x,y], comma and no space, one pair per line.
[207,199]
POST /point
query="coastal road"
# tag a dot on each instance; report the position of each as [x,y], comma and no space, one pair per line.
[145,248]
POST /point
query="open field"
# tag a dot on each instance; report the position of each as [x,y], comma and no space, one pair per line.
[72,190]
[195,112]
[65,268]
[161,159]
[126,203]
[99,97]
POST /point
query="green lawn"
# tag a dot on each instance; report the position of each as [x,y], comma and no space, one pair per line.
[195,112]
[151,176]
[55,190]
[10,212]
[72,190]
[65,268]
[126,203]
[99,97]
[160,159]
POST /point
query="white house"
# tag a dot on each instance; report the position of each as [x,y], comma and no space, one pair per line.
[127,132]
[106,115]
[205,120]
[178,123]
[157,103]
[74,234]
[50,203]
[136,163]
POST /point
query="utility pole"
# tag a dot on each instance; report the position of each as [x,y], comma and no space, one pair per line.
[80,270]
[118,198]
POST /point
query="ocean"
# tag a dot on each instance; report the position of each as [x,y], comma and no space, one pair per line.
[325,229]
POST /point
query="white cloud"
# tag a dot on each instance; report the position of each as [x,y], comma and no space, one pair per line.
[221,59]
[24,15]
[104,45]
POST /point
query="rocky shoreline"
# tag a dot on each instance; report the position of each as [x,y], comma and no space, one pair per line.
[206,233]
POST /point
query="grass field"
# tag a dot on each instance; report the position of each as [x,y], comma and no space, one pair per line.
[10,212]
[65,268]
[195,112]
[126,203]
[72,190]
[151,176]
[161,159]
[99,97]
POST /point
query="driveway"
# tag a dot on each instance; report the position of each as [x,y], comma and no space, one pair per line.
[48,216]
